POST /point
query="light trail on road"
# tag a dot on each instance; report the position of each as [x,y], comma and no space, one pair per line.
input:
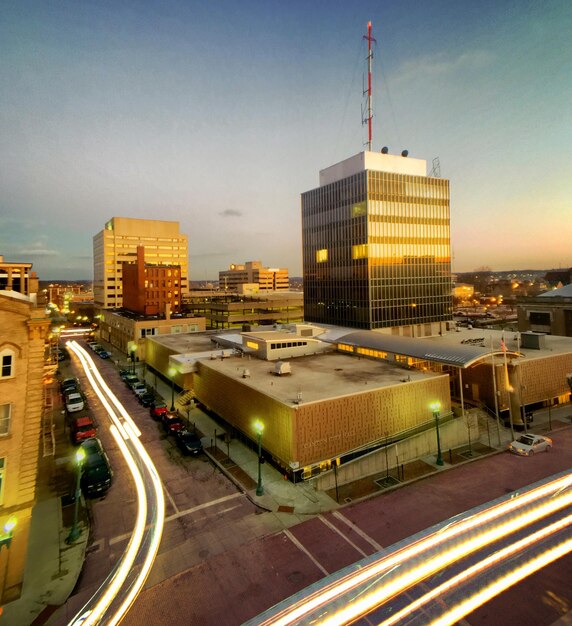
[360,589]
[120,589]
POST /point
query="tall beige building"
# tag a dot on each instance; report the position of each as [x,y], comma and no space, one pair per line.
[117,243]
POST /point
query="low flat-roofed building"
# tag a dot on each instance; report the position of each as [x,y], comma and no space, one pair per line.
[236,311]
[327,406]
[365,388]
[549,313]
[127,331]
[330,405]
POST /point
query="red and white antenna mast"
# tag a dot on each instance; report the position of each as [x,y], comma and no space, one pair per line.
[369,117]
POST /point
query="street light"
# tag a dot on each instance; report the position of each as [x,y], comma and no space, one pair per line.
[259,428]
[436,407]
[75,531]
[6,540]
[172,372]
[9,525]
[132,351]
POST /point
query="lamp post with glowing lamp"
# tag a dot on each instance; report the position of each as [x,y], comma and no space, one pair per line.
[132,352]
[259,428]
[6,537]
[75,531]
[6,540]
[436,407]
[172,373]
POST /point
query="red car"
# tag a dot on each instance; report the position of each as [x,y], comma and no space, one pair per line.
[172,423]
[157,410]
[82,428]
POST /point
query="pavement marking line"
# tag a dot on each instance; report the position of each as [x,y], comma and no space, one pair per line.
[170,498]
[203,506]
[341,534]
[182,513]
[358,530]
[306,552]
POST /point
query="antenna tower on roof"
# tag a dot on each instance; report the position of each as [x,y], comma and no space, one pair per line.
[369,117]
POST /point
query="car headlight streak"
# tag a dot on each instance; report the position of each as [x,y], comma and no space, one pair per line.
[396,571]
[126,434]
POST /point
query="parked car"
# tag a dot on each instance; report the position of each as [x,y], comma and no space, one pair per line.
[527,445]
[74,402]
[130,380]
[188,442]
[146,399]
[123,373]
[69,384]
[139,388]
[95,347]
[104,354]
[157,409]
[172,423]
[82,428]
[97,474]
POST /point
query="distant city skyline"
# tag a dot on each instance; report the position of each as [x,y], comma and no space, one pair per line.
[220,116]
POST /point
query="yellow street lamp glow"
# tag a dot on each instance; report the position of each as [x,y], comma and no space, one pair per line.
[80,455]
[435,406]
[259,427]
[10,524]
[172,372]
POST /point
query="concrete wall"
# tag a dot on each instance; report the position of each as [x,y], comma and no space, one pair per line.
[453,434]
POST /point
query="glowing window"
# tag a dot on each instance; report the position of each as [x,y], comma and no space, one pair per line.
[359,251]
[321,255]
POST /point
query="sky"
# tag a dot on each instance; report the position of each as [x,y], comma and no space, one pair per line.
[218,115]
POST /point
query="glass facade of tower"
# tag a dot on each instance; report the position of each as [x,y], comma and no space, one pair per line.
[377,251]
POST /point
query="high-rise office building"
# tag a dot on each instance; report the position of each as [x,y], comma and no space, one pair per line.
[117,244]
[376,246]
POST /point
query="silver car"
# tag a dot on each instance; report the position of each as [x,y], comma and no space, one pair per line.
[527,445]
[74,402]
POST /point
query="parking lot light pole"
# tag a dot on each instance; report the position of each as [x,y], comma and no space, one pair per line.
[259,428]
[436,407]
[75,531]
[172,372]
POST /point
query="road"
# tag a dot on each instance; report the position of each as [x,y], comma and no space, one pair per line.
[440,575]
[240,583]
[120,589]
